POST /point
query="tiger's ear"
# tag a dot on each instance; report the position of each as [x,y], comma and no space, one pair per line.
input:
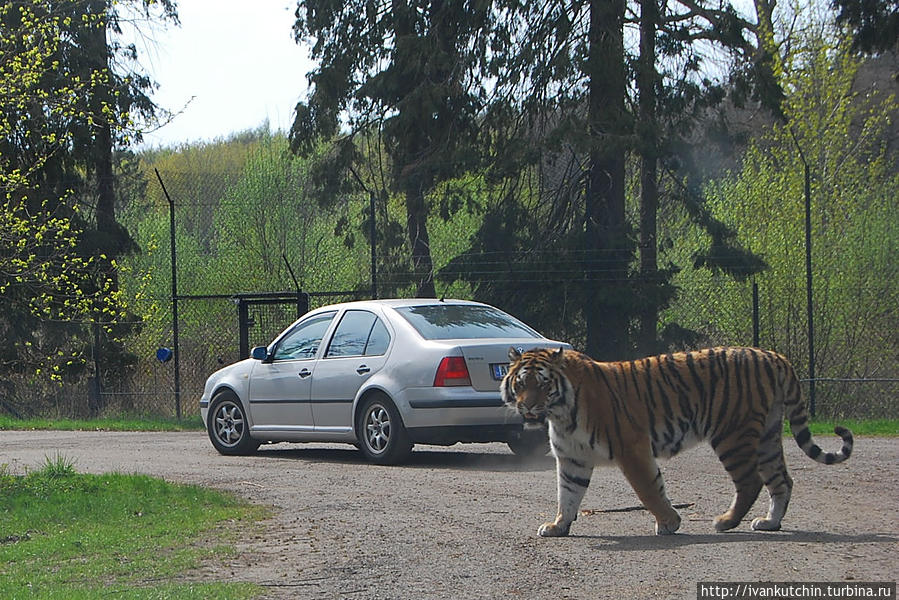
[514,355]
[558,357]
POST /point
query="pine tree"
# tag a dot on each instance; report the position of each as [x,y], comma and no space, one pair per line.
[64,113]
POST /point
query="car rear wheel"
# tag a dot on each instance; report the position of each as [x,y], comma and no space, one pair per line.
[228,429]
[382,437]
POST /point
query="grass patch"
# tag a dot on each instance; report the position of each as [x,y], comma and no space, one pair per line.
[879,427]
[192,423]
[70,535]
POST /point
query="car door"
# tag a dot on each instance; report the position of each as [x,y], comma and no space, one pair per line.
[357,350]
[280,388]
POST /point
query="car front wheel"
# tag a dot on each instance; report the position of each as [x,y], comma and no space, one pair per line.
[382,437]
[228,428]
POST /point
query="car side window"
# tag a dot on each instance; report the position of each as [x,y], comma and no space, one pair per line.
[378,340]
[360,333]
[351,334]
[304,340]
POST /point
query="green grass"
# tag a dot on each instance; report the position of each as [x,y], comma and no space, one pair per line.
[881,427]
[69,535]
[192,423]
[878,427]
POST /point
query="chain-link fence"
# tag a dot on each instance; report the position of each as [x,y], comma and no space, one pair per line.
[865,386]
[856,367]
[235,237]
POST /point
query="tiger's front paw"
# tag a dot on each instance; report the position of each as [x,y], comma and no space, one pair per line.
[554,529]
[668,527]
[761,524]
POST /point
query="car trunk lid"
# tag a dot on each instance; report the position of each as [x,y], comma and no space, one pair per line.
[488,361]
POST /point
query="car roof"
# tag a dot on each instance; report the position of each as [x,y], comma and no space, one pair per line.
[398,303]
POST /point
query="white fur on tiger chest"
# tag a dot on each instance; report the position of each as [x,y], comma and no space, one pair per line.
[576,445]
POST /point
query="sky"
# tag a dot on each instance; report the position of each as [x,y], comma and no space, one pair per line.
[229,67]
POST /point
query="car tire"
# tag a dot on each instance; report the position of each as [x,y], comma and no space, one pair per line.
[382,436]
[532,443]
[227,425]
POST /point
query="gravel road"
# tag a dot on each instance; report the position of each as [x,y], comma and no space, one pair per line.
[460,523]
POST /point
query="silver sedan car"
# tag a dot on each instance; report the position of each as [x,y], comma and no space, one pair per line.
[380,374]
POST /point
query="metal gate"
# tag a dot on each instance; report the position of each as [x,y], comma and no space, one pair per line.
[262,316]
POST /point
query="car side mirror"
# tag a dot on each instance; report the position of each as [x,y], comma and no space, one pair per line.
[259,353]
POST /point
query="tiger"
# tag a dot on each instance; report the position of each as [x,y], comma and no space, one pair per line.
[631,413]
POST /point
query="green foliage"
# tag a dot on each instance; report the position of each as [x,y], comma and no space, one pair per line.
[386,120]
[874,23]
[241,210]
[269,219]
[43,277]
[409,76]
[841,135]
[240,222]
[242,206]
[67,535]
[65,103]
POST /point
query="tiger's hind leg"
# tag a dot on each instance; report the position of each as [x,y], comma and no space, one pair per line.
[780,488]
[773,471]
[740,459]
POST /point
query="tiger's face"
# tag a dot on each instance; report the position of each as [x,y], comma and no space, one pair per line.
[534,384]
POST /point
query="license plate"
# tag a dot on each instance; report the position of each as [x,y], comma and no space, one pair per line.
[499,370]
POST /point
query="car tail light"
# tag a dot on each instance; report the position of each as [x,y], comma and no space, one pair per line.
[452,371]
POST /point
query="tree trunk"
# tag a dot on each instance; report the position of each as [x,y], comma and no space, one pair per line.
[607,247]
[649,191]
[411,177]
[417,227]
[111,239]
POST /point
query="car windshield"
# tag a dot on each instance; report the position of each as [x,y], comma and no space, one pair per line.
[464,321]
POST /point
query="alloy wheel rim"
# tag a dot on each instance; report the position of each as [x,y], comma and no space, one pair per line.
[377,428]
[229,424]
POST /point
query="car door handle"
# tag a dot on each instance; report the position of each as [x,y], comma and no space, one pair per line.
[304,373]
[363,369]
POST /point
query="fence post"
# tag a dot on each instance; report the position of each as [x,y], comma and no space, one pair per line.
[175,346]
[809,305]
[302,303]
[243,318]
[374,247]
[755,315]
[808,289]
[94,384]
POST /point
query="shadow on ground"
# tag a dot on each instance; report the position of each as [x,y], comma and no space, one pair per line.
[426,458]
[642,543]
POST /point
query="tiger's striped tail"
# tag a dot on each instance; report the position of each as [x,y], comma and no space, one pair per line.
[798,416]
[803,436]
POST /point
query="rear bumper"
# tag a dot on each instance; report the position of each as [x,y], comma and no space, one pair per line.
[456,403]
[435,408]
[449,435]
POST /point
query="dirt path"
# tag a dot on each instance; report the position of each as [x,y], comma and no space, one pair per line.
[461,523]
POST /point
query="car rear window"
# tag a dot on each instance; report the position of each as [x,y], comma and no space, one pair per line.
[464,321]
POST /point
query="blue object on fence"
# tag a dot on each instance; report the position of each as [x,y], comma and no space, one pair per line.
[164,355]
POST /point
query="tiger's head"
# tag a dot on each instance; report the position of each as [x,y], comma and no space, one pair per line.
[535,384]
